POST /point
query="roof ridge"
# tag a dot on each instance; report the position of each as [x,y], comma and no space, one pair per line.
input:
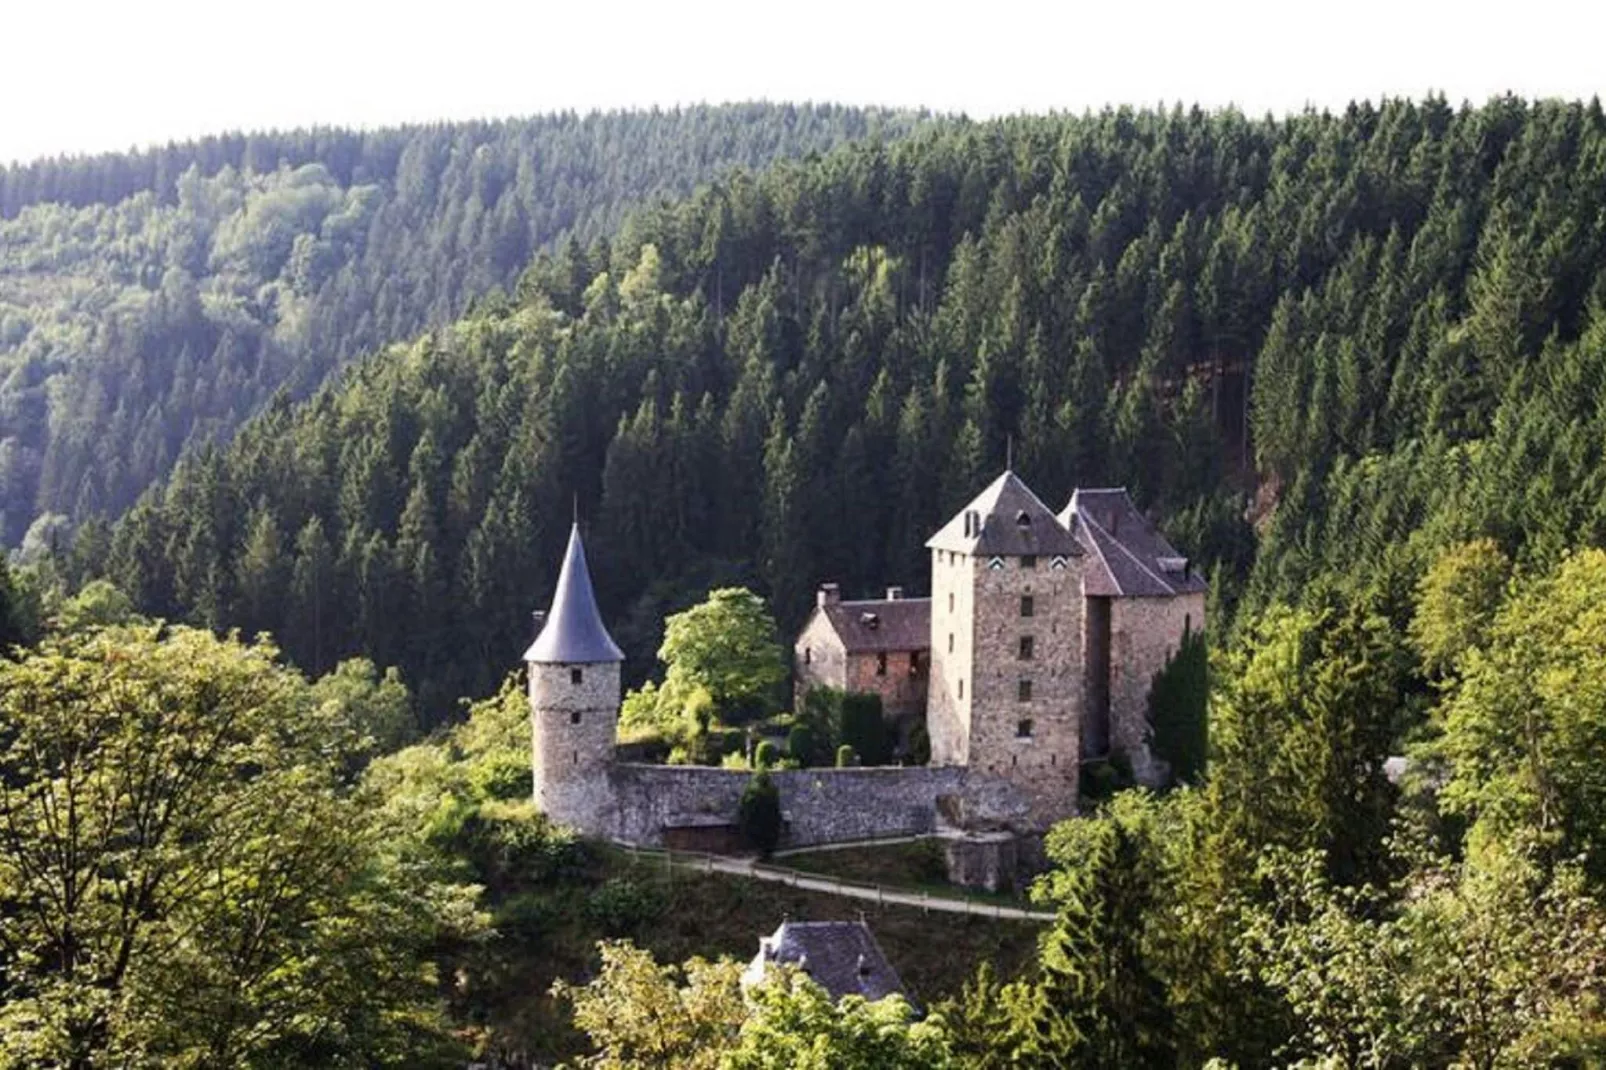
[1135,558]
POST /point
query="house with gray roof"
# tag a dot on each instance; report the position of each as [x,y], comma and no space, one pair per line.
[840,956]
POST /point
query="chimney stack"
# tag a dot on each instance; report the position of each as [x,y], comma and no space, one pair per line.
[538,619]
[829,594]
[894,594]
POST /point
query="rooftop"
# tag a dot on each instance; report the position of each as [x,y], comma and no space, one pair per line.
[573,633]
[840,956]
[1006,519]
[881,624]
[1128,557]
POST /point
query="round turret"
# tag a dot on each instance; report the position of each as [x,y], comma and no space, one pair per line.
[574,701]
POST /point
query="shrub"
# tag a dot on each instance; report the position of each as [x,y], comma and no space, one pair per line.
[620,906]
[1178,710]
[864,728]
[764,755]
[759,815]
[801,743]
[846,757]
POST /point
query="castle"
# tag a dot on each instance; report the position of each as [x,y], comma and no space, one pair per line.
[1034,653]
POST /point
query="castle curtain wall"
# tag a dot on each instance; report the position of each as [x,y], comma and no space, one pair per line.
[1144,634]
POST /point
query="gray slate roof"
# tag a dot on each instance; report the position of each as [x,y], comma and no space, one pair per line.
[1005,520]
[1128,557]
[574,633]
[881,624]
[841,956]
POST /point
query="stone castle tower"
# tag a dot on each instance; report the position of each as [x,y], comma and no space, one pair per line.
[1005,693]
[574,699]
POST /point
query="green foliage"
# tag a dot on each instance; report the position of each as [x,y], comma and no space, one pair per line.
[802,745]
[620,906]
[759,813]
[1456,603]
[726,648]
[864,729]
[765,755]
[151,301]
[1178,709]
[222,895]
[846,757]
[641,1015]
[1525,727]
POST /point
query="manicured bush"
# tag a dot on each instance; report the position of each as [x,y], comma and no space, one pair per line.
[764,755]
[801,743]
[846,757]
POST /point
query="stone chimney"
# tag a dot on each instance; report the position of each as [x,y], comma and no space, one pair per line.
[829,594]
[894,594]
[538,621]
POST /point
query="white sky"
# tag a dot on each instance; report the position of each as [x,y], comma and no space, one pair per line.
[89,75]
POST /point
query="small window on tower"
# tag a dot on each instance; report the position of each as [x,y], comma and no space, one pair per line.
[576,675]
[1027,606]
[950,642]
[574,718]
[1028,561]
[808,655]
[1026,648]
[881,664]
[950,601]
[1025,690]
[961,688]
[1023,729]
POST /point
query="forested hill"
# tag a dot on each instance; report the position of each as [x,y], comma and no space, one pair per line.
[148,299]
[793,377]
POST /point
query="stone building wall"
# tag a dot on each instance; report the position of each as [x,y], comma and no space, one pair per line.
[573,726]
[1144,634]
[818,658]
[953,623]
[820,805]
[1032,740]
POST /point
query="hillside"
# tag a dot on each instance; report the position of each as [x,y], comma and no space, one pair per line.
[1388,315]
[154,299]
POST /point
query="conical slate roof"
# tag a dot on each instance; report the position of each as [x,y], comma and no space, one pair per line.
[1005,519]
[574,633]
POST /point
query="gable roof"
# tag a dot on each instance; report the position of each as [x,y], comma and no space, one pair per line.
[574,633]
[1127,555]
[1006,519]
[840,956]
[881,624]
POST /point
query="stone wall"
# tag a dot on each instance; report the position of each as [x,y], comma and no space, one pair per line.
[901,685]
[818,658]
[953,623]
[1026,711]
[573,718]
[1144,633]
[820,805]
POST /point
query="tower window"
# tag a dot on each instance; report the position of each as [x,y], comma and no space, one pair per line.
[1027,606]
[950,601]
[808,655]
[961,688]
[1023,728]
[881,664]
[1187,623]
[576,675]
[1027,648]
[574,718]
[950,642]
[1025,691]
[1028,560]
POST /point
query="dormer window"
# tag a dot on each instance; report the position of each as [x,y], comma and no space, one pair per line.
[1023,519]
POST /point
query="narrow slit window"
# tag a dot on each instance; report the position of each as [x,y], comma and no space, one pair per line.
[1025,691]
[808,655]
[1027,606]
[961,688]
[1027,648]
[950,642]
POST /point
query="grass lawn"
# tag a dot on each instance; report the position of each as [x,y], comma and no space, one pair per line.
[916,867]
